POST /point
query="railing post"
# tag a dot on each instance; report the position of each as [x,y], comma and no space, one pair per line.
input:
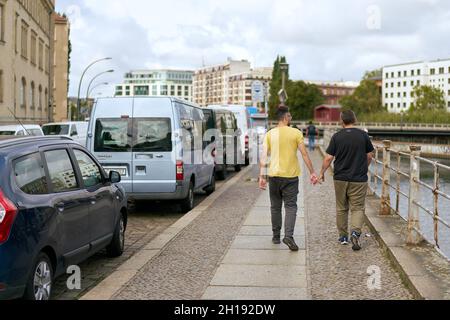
[413,236]
[385,191]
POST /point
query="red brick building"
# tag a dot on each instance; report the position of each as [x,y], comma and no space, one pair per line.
[327,113]
[334,91]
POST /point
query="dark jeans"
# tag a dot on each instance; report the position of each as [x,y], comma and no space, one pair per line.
[284,190]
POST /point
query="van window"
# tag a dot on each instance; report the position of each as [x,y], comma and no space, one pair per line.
[7,133]
[30,175]
[56,130]
[35,132]
[62,174]
[111,135]
[20,133]
[89,169]
[152,135]
[209,120]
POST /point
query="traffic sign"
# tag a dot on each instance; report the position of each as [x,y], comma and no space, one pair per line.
[258,91]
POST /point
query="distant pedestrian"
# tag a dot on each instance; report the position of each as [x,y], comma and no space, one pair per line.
[311,133]
[281,146]
[351,150]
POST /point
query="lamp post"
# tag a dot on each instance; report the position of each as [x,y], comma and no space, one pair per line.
[81,80]
[92,80]
[284,67]
[96,86]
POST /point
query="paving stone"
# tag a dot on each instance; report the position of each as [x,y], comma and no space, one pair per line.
[265,257]
[260,276]
[254,293]
[263,243]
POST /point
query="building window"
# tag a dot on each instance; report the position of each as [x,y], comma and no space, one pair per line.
[387,75]
[164,91]
[392,85]
[24,40]
[418,72]
[154,90]
[32,101]
[16,25]
[23,92]
[40,98]
[392,74]
[418,82]
[41,55]
[387,86]
[404,83]
[33,48]
[441,70]
[399,74]
[2,23]
[172,90]
[412,83]
[46,99]
[398,94]
[404,94]
[399,84]
[412,73]
[432,71]
[405,74]
[1,86]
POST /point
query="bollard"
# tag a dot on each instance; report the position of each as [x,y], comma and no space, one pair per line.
[385,192]
[413,236]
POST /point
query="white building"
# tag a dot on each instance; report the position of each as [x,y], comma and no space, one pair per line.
[228,83]
[400,80]
[157,83]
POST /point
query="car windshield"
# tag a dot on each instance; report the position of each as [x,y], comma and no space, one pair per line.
[152,135]
[56,130]
[111,135]
[34,132]
[7,133]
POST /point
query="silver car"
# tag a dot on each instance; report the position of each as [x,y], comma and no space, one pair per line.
[150,141]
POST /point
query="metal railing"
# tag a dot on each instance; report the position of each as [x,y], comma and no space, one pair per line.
[375,125]
[414,233]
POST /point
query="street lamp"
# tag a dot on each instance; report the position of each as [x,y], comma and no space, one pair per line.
[90,83]
[96,86]
[81,80]
[284,67]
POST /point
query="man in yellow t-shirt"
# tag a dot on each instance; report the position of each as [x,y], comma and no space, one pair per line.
[281,146]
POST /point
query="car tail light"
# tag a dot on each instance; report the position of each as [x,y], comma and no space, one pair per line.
[8,212]
[247,140]
[180,171]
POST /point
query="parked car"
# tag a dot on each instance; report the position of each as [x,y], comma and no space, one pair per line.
[57,208]
[21,130]
[142,138]
[225,122]
[243,118]
[77,131]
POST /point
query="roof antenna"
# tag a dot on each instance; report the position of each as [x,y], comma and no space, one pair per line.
[17,119]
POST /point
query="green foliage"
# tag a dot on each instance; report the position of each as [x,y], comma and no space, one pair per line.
[372,74]
[428,98]
[365,99]
[275,86]
[303,98]
[437,116]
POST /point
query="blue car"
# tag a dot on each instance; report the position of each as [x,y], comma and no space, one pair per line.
[57,208]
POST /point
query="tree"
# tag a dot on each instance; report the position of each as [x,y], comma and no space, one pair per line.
[365,99]
[428,98]
[373,74]
[303,98]
[275,86]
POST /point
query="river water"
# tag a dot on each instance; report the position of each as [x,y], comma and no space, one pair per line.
[426,198]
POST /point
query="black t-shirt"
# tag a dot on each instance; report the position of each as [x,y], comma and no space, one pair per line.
[350,148]
[312,131]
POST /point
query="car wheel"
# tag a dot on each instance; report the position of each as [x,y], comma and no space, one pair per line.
[222,175]
[187,204]
[117,246]
[39,286]
[212,187]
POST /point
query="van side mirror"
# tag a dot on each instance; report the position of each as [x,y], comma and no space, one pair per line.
[114,177]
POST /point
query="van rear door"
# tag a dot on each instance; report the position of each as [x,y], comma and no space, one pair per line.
[112,131]
[154,164]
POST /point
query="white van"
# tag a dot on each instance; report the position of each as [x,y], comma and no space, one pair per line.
[141,138]
[18,130]
[244,123]
[77,131]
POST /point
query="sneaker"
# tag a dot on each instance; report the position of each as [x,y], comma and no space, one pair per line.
[356,241]
[291,244]
[344,240]
[276,240]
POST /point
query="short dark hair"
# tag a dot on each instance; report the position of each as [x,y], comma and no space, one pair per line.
[348,117]
[282,111]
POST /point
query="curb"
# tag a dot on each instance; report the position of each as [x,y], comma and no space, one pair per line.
[110,286]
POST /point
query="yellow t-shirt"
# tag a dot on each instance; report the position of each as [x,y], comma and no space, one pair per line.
[282,145]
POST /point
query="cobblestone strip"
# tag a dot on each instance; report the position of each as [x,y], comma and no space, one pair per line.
[187,264]
[336,272]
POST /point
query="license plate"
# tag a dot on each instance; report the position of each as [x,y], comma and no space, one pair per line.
[122,171]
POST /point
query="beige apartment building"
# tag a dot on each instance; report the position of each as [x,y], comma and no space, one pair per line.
[61,64]
[26,62]
[210,84]
[240,86]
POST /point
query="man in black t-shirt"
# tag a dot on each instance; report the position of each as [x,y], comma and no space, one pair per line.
[351,150]
[311,133]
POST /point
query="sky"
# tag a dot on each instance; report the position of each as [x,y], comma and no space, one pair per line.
[324,40]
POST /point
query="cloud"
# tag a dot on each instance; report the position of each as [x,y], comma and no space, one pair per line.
[323,40]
